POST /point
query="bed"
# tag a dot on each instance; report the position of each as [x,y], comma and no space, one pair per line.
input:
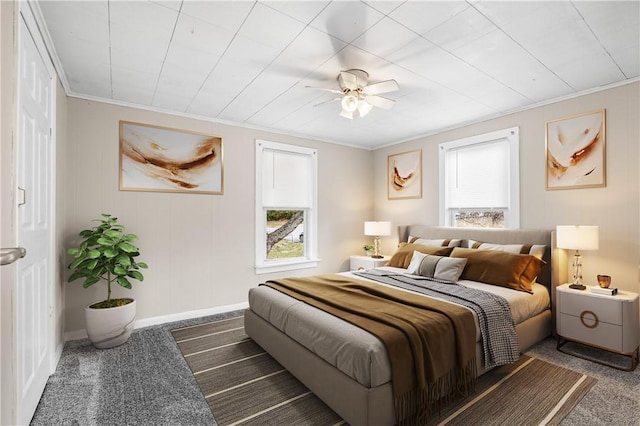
[344,365]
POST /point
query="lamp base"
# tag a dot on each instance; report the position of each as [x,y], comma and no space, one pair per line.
[377,256]
[578,286]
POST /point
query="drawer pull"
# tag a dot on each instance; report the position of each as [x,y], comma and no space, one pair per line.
[593,317]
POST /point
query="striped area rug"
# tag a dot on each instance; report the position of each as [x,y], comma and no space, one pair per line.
[243,385]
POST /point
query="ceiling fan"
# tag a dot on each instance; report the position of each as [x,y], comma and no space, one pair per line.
[357,96]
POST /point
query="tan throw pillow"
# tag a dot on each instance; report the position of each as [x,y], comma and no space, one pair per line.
[516,271]
[402,257]
[532,249]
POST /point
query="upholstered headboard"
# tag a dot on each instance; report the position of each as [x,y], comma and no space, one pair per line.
[553,273]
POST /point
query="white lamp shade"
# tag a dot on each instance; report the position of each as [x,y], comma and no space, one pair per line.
[577,237]
[377,228]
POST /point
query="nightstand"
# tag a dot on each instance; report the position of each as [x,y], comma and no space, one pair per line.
[360,263]
[600,321]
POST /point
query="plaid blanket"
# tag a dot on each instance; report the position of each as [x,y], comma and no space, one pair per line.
[498,330]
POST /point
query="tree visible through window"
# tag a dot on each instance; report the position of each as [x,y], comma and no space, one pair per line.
[285,233]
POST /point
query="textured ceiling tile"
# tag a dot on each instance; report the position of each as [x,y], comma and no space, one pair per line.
[460,30]
[303,11]
[346,20]
[385,7]
[133,86]
[385,37]
[270,27]
[559,38]
[82,44]
[286,104]
[228,15]
[500,57]
[138,48]
[422,16]
[436,64]
[260,92]
[617,26]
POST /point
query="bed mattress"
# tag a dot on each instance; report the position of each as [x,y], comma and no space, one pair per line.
[352,350]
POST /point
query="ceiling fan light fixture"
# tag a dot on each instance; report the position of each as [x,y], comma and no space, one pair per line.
[364,107]
[349,103]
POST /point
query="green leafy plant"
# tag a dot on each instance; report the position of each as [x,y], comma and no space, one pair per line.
[106,253]
[368,248]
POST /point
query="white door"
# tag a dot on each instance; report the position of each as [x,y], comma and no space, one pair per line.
[34,279]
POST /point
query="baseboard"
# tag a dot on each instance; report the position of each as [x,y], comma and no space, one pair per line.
[146,322]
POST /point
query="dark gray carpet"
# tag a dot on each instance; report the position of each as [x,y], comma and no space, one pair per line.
[143,382]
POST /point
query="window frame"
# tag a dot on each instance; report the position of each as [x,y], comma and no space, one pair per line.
[310,260]
[512,136]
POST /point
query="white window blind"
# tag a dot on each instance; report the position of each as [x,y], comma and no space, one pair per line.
[286,179]
[478,175]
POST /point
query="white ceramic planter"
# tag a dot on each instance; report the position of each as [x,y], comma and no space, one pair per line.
[110,327]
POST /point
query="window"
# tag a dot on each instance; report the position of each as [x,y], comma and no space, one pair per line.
[479,181]
[286,205]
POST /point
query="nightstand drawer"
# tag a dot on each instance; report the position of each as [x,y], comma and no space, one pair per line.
[608,311]
[604,335]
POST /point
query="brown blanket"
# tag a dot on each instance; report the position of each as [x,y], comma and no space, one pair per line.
[430,343]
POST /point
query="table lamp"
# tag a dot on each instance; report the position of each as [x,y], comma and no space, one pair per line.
[576,237]
[377,229]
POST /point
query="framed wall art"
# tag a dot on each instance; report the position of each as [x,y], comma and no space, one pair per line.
[404,175]
[155,158]
[575,148]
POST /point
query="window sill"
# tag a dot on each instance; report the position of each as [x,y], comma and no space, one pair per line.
[289,265]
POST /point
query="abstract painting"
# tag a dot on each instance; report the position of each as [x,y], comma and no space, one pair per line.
[404,175]
[155,158]
[576,151]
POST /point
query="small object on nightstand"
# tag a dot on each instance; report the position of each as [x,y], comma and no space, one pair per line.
[604,290]
[604,281]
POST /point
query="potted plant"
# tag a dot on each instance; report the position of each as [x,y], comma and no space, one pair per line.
[368,249]
[108,254]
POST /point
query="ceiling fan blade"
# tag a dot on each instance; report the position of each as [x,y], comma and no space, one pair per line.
[347,80]
[382,87]
[325,89]
[326,102]
[380,102]
[346,114]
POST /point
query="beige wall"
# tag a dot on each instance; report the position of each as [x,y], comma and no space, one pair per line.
[200,248]
[614,208]
[60,260]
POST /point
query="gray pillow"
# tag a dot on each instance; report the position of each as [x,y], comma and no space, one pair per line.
[438,267]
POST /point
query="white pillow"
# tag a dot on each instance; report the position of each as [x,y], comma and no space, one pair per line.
[438,267]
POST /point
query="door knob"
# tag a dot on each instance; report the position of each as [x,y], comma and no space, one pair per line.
[10,255]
